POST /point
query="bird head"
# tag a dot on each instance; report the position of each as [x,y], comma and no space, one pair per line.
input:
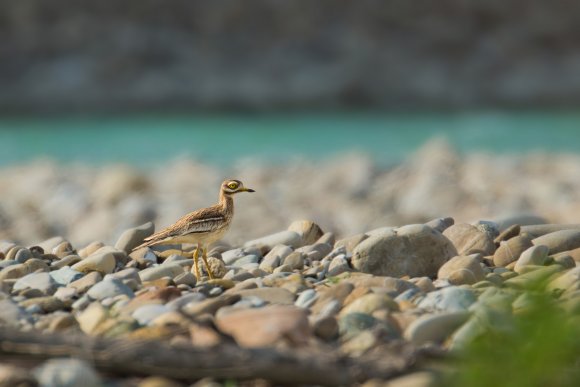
[231,187]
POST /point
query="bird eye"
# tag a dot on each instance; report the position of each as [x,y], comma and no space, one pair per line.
[233,185]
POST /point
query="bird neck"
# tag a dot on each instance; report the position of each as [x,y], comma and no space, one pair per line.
[226,201]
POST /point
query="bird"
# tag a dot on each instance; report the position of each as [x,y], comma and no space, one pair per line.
[201,227]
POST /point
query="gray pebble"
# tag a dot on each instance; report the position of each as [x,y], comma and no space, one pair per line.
[109,288]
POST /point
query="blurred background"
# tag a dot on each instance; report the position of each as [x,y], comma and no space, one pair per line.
[353,114]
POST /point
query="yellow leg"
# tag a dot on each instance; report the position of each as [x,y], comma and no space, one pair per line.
[195,267]
[204,257]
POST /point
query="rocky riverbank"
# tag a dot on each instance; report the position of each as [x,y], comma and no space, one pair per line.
[298,306]
[346,195]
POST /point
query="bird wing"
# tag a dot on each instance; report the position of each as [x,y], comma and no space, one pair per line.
[197,222]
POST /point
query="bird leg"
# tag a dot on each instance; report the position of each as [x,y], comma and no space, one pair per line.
[195,267]
[204,257]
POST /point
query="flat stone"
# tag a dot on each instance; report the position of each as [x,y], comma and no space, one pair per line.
[147,313]
[538,229]
[471,263]
[451,299]
[509,251]
[90,249]
[85,283]
[338,265]
[295,260]
[270,295]
[252,258]
[133,237]
[267,326]
[351,242]
[110,287]
[104,263]
[288,238]
[69,260]
[90,318]
[211,305]
[65,275]
[185,278]
[156,272]
[42,282]
[46,304]
[306,298]
[415,250]
[435,328]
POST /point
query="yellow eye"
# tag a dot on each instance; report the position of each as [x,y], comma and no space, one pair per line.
[233,185]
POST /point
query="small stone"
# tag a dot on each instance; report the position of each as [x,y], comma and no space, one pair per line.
[133,237]
[185,278]
[92,317]
[266,326]
[351,242]
[69,260]
[441,224]
[508,233]
[62,322]
[306,298]
[354,323]
[451,299]
[110,287]
[66,295]
[535,255]
[51,243]
[23,255]
[338,265]
[90,249]
[11,313]
[326,328]
[252,258]
[46,304]
[435,327]
[316,251]
[104,263]
[270,262]
[309,231]
[283,269]
[217,267]
[369,303]
[42,282]
[67,372]
[231,256]
[510,250]
[462,277]
[288,238]
[470,263]
[270,295]
[63,249]
[210,306]
[295,260]
[468,239]
[566,261]
[83,284]
[425,284]
[170,270]
[147,313]
[65,275]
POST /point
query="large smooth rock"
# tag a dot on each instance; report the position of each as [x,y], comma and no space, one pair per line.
[535,255]
[133,237]
[415,250]
[470,263]
[469,239]
[266,326]
[559,241]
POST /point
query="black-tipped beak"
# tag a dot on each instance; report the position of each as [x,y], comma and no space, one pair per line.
[249,190]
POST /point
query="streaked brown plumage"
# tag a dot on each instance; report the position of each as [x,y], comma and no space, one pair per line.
[201,227]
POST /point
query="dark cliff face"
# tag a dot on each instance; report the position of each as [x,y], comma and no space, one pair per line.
[69,55]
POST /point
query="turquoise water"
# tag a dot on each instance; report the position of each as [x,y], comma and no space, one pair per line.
[223,139]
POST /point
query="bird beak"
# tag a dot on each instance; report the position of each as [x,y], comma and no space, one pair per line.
[248,190]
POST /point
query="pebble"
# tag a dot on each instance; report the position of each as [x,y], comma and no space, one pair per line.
[288,238]
[509,251]
[185,278]
[351,242]
[451,299]
[471,264]
[435,327]
[104,263]
[90,249]
[416,250]
[133,237]
[306,299]
[43,282]
[110,287]
[308,231]
[369,303]
[535,255]
[44,304]
[11,314]
[67,373]
[270,295]
[147,313]
[252,258]
[156,272]
[338,265]
[65,275]
[267,326]
[559,241]
[83,284]
[69,260]
[469,239]
[441,224]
